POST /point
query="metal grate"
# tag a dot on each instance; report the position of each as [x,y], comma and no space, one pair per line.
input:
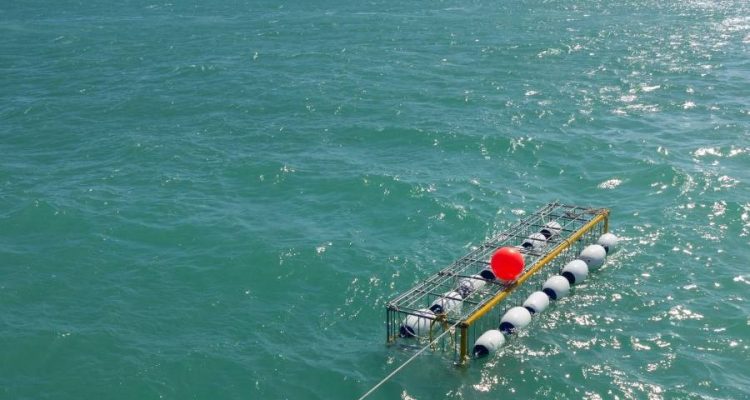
[478,310]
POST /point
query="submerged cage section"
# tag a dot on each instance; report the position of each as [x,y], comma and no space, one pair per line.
[460,302]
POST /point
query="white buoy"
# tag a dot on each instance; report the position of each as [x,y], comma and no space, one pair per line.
[609,242]
[575,271]
[487,274]
[488,343]
[556,287]
[450,301]
[536,302]
[417,325]
[593,255]
[467,286]
[514,319]
[534,241]
[550,229]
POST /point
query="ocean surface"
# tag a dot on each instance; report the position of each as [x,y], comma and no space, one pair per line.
[216,199]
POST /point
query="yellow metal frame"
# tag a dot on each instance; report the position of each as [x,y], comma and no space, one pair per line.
[486,308]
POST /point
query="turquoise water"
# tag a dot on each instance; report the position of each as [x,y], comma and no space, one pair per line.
[216,199]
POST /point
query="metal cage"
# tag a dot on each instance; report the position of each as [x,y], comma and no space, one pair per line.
[481,309]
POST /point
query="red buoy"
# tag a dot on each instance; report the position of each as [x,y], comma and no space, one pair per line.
[507,264]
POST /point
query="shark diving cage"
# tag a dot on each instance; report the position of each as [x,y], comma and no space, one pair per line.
[452,308]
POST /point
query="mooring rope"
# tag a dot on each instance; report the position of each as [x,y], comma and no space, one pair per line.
[400,367]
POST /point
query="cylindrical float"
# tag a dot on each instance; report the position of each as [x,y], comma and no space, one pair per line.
[556,287]
[550,229]
[514,319]
[609,242]
[488,343]
[467,286]
[575,271]
[536,302]
[487,274]
[417,325]
[593,255]
[535,241]
[450,301]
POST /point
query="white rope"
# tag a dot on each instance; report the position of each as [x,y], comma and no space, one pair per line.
[395,371]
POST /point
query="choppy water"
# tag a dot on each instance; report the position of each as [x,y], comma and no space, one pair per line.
[216,199]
